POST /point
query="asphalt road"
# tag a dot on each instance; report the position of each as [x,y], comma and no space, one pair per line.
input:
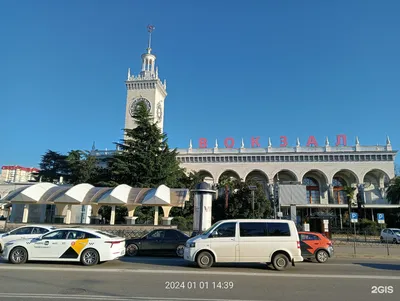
[151,278]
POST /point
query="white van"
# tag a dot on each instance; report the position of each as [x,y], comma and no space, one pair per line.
[246,240]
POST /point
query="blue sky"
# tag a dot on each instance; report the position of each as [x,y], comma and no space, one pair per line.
[233,68]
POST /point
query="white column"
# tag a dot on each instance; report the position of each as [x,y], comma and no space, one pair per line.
[68,216]
[26,213]
[112,218]
[156,215]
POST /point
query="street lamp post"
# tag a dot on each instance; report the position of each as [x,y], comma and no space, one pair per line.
[252,188]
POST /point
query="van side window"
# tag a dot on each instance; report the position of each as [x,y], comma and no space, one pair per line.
[278,229]
[225,230]
[253,229]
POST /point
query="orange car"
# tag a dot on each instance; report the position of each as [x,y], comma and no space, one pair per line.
[315,245]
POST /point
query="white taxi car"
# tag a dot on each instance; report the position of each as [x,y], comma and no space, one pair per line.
[89,246]
[28,231]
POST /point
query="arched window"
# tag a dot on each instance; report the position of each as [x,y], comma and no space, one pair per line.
[312,190]
[338,193]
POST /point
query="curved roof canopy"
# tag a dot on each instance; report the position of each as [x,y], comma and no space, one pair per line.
[86,194]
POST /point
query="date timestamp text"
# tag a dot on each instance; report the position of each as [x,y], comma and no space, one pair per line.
[202,285]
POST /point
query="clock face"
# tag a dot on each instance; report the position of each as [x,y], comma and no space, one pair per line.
[159,111]
[136,102]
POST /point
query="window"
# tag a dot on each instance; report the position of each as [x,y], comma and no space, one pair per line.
[38,230]
[22,231]
[278,229]
[253,229]
[60,234]
[73,234]
[225,230]
[170,235]
[308,237]
[312,190]
[156,234]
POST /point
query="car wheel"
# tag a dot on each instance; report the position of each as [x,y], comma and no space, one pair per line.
[322,256]
[382,240]
[90,257]
[132,250]
[18,255]
[205,260]
[280,262]
[180,250]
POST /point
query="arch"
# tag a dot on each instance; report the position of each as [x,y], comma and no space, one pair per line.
[349,176]
[206,176]
[285,175]
[376,182]
[376,176]
[230,174]
[259,176]
[316,183]
[318,174]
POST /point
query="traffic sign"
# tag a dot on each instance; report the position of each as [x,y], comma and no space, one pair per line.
[354,217]
[381,218]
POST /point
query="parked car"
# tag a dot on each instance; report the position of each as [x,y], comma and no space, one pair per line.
[315,245]
[28,231]
[88,246]
[160,241]
[246,240]
[391,235]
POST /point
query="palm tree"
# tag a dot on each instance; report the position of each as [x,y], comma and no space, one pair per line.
[393,193]
[350,191]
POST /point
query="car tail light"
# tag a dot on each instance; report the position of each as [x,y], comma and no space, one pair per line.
[298,245]
[113,243]
[329,243]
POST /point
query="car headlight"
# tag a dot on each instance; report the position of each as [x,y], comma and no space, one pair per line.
[9,243]
[191,245]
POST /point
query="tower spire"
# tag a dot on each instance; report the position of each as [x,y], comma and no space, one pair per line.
[150,29]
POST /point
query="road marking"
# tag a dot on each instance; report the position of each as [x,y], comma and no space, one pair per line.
[200,272]
[110,298]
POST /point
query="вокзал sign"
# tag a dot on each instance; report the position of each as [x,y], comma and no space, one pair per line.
[229,142]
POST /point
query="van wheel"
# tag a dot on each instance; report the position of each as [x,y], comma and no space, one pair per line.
[205,260]
[280,262]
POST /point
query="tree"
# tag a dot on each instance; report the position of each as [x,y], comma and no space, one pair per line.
[145,159]
[393,193]
[240,202]
[83,167]
[349,191]
[53,166]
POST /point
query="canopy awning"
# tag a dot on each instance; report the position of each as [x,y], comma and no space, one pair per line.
[87,194]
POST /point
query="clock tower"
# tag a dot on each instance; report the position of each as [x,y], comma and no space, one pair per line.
[146,87]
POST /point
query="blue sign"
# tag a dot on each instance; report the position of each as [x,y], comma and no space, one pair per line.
[354,217]
[381,218]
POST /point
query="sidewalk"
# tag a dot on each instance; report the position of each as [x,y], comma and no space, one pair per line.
[367,252]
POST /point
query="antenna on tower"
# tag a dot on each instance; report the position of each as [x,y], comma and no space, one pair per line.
[150,29]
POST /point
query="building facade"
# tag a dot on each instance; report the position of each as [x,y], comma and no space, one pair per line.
[310,177]
[18,174]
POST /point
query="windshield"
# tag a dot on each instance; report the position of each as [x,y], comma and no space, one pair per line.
[209,230]
[396,231]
